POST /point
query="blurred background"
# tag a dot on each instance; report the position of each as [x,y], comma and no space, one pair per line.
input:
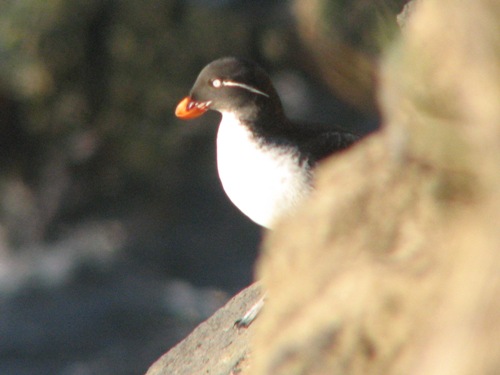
[116,238]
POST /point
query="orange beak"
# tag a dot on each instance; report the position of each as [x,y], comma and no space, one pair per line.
[189,108]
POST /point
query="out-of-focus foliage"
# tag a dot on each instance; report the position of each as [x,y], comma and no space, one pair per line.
[89,86]
[345,39]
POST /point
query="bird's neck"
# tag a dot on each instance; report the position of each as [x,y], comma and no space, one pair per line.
[264,122]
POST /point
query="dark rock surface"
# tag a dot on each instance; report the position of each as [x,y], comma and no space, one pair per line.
[217,346]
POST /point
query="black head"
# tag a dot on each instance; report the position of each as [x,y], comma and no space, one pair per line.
[231,85]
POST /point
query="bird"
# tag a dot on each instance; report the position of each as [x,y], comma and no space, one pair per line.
[265,161]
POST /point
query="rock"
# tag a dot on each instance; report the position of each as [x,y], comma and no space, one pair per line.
[393,266]
[405,14]
[215,346]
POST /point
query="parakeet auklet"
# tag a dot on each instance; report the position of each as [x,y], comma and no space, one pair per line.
[265,161]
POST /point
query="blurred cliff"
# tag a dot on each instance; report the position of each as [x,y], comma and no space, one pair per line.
[115,237]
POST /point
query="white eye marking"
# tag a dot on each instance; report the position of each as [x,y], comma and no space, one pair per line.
[216,83]
[243,86]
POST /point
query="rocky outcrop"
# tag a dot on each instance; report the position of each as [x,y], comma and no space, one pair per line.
[217,346]
[393,266]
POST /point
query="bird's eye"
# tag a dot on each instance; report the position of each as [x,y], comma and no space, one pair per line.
[216,83]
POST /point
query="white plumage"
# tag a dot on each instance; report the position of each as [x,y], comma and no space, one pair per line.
[264,182]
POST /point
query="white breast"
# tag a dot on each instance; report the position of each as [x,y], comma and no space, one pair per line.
[263,182]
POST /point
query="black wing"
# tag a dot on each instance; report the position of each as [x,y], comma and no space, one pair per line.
[325,144]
